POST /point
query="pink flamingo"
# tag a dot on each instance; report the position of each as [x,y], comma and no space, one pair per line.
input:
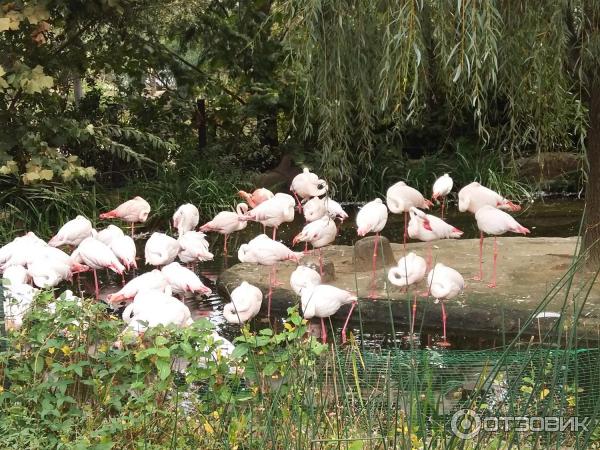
[319,233]
[257,197]
[161,249]
[492,221]
[410,270]
[227,222]
[323,301]
[428,228]
[273,212]
[132,211]
[303,277]
[267,252]
[182,280]
[72,232]
[441,188]
[400,198]
[307,185]
[193,247]
[149,280]
[444,283]
[371,219]
[97,255]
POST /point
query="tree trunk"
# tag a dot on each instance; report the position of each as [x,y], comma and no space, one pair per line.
[592,190]
[201,123]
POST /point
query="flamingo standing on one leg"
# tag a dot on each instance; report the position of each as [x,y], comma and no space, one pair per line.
[319,233]
[371,219]
[161,249]
[441,188]
[227,222]
[72,232]
[474,196]
[444,283]
[193,247]
[410,270]
[428,228]
[492,221]
[323,301]
[132,211]
[400,198]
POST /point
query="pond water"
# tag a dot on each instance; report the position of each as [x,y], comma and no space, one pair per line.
[557,217]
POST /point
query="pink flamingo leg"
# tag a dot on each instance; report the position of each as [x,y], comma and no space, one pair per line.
[480,276]
[372,294]
[321,261]
[346,322]
[323,331]
[132,229]
[276,282]
[274,232]
[270,294]
[414,315]
[443,204]
[299,203]
[225,244]
[96,283]
[444,342]
[405,228]
[429,256]
[493,283]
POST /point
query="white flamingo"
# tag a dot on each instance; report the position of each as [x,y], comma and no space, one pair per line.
[400,198]
[335,210]
[182,280]
[227,222]
[193,247]
[307,185]
[410,270]
[72,232]
[314,209]
[161,249]
[323,301]
[186,218]
[246,300]
[153,280]
[109,234]
[429,228]
[257,197]
[303,277]
[495,222]
[319,233]
[273,212]
[444,283]
[372,219]
[441,188]
[97,255]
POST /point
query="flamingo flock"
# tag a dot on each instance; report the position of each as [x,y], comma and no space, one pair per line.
[30,263]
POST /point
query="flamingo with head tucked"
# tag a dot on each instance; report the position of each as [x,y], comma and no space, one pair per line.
[72,232]
[400,198]
[135,210]
[161,249]
[182,280]
[257,197]
[441,188]
[428,228]
[149,280]
[319,233]
[227,222]
[303,277]
[492,221]
[372,218]
[246,300]
[307,185]
[193,247]
[444,283]
[410,270]
[273,212]
[186,218]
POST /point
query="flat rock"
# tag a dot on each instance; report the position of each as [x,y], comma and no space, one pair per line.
[529,271]
[363,253]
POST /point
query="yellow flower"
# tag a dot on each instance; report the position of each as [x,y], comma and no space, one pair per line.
[288,326]
[208,428]
[66,350]
[544,393]
[51,350]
